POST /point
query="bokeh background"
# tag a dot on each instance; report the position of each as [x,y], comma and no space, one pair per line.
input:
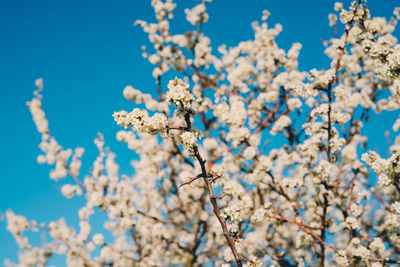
[87,52]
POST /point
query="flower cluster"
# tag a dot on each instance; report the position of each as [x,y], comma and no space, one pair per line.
[189,139]
[197,14]
[53,152]
[140,121]
[179,94]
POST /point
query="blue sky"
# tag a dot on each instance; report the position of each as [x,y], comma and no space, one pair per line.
[87,52]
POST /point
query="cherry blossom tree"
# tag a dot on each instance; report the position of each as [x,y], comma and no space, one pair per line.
[207,189]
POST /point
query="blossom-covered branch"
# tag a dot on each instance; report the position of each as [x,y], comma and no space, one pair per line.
[244,159]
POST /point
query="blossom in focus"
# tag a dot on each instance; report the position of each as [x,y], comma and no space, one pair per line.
[179,94]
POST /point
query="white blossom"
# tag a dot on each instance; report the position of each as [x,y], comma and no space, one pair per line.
[189,139]
[179,94]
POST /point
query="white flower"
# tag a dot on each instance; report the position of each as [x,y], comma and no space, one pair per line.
[210,143]
[234,213]
[293,103]
[39,83]
[258,216]
[69,190]
[355,209]
[377,245]
[249,152]
[338,6]
[98,239]
[280,124]
[189,140]
[196,14]
[140,121]
[332,19]
[396,207]
[233,188]
[96,198]
[179,94]
[384,180]
[341,258]
[253,262]
[352,223]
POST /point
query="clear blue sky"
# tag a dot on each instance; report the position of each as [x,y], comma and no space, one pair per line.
[87,52]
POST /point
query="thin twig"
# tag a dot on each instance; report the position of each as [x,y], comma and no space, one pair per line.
[191,180]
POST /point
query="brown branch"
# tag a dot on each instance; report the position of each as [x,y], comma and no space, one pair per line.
[79,182]
[305,229]
[181,128]
[329,129]
[160,94]
[191,180]
[216,210]
[213,198]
